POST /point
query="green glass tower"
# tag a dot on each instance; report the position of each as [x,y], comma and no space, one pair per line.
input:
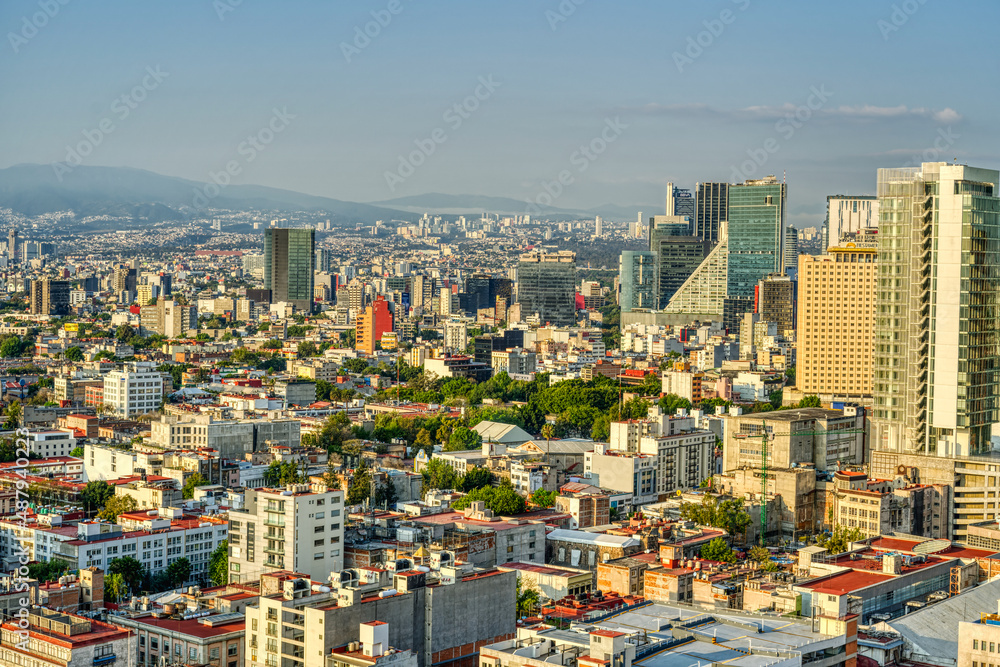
[755,235]
[289,258]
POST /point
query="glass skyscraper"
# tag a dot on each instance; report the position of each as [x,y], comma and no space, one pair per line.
[289,259]
[755,234]
[937,334]
[639,280]
[546,286]
[711,210]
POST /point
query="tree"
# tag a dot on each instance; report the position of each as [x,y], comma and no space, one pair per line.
[74,353]
[95,495]
[218,564]
[527,597]
[11,347]
[840,539]
[502,500]
[759,554]
[718,550]
[730,515]
[193,481]
[272,344]
[385,495]
[463,438]
[543,498]
[178,572]
[476,478]
[547,432]
[124,333]
[117,505]
[47,571]
[810,401]
[307,349]
[77,452]
[440,475]
[130,570]
[14,412]
[115,588]
[360,488]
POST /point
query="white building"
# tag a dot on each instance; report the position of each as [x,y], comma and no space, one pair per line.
[232,438]
[515,361]
[51,443]
[298,528]
[456,335]
[138,389]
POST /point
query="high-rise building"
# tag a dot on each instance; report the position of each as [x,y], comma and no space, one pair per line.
[711,210]
[937,340]
[639,278]
[288,266]
[848,215]
[755,236]
[546,285]
[678,253]
[322,260]
[12,249]
[169,318]
[137,389]
[50,297]
[298,528]
[776,301]
[371,324]
[835,337]
[790,253]
[680,202]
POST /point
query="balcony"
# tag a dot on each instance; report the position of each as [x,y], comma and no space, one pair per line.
[104,659]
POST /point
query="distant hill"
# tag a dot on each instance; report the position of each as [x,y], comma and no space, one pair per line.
[32,189]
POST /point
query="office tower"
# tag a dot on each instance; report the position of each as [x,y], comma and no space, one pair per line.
[835,336]
[322,260]
[12,248]
[711,210]
[756,223]
[124,279]
[166,284]
[776,301]
[253,265]
[598,226]
[50,297]
[848,215]
[639,279]
[680,202]
[299,528]
[371,324]
[288,266]
[790,253]
[937,337]
[168,318]
[546,286]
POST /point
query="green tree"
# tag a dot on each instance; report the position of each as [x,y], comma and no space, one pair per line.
[14,412]
[759,554]
[840,539]
[718,550]
[502,500]
[272,344]
[463,438]
[307,349]
[77,452]
[115,588]
[74,353]
[386,496]
[730,514]
[527,597]
[96,494]
[476,478]
[360,488]
[218,564]
[192,482]
[543,498]
[548,431]
[117,505]
[10,347]
[810,401]
[124,333]
[440,475]
[178,572]
[130,570]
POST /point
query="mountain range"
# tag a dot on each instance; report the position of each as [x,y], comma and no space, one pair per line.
[148,197]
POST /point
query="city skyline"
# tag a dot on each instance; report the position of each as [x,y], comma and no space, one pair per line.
[519,125]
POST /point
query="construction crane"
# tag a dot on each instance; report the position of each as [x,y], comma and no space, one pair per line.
[763,462]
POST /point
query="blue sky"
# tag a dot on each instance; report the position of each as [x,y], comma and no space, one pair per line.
[881,93]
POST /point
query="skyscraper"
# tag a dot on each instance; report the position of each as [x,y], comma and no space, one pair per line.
[776,301]
[711,209]
[790,253]
[755,233]
[937,342]
[639,279]
[371,324]
[288,266]
[835,338]
[546,286]
[49,297]
[680,202]
[12,255]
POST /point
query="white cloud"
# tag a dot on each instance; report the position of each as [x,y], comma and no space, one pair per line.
[771,112]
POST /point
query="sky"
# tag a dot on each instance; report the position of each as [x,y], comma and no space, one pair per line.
[572,103]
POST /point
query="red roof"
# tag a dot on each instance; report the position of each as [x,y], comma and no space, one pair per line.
[192,626]
[848,582]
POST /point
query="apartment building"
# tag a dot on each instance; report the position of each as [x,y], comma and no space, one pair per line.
[633,473]
[444,615]
[54,637]
[187,635]
[683,459]
[513,361]
[232,438]
[300,527]
[48,443]
[104,462]
[137,389]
